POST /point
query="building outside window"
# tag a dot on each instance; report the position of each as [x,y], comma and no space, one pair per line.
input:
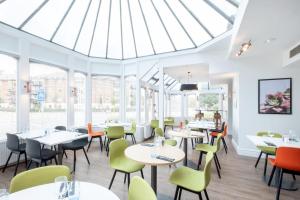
[48,97]
[8,75]
[105,99]
[79,99]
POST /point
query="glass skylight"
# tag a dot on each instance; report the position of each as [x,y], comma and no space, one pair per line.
[121,29]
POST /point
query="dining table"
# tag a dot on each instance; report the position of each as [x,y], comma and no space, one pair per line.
[52,138]
[186,134]
[154,155]
[267,141]
[87,191]
[204,125]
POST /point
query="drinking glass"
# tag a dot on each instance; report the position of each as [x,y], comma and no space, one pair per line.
[3,192]
[73,190]
[61,186]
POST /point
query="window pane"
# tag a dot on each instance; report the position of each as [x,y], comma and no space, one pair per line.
[8,75]
[48,96]
[44,23]
[84,40]
[69,29]
[175,107]
[100,39]
[15,12]
[130,98]
[215,23]
[178,35]
[226,7]
[143,109]
[105,99]
[79,99]
[209,103]
[192,105]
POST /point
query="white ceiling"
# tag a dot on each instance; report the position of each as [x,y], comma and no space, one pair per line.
[199,73]
[264,19]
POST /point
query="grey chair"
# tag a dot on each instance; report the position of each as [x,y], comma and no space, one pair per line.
[77,145]
[13,144]
[37,154]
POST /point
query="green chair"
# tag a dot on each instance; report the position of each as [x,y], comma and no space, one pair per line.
[154,124]
[113,133]
[205,148]
[266,150]
[120,163]
[159,132]
[169,121]
[192,180]
[131,132]
[38,176]
[140,189]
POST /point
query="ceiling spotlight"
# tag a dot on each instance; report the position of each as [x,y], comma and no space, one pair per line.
[267,41]
[244,47]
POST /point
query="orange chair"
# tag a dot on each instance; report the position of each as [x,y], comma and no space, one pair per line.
[94,134]
[215,135]
[287,160]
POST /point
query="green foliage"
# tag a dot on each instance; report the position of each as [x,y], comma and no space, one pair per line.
[209,101]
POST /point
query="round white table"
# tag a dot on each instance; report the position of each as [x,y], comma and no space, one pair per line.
[144,155]
[88,191]
[185,135]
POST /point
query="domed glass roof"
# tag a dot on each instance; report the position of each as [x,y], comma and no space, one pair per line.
[121,29]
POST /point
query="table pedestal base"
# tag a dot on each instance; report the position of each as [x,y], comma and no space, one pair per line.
[154,178]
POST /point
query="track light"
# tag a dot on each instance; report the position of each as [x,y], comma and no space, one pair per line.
[244,47]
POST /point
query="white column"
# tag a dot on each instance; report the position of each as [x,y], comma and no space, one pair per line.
[88,101]
[182,106]
[146,104]
[161,97]
[23,98]
[122,95]
[138,95]
[70,99]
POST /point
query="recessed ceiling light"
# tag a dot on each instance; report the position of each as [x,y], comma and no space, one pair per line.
[270,40]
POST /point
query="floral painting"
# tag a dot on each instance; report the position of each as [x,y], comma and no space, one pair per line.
[275,96]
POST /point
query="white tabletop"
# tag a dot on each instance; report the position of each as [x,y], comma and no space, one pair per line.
[202,124]
[143,154]
[184,133]
[102,126]
[260,141]
[53,138]
[88,191]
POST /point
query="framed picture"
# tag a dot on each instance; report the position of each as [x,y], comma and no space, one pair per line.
[275,96]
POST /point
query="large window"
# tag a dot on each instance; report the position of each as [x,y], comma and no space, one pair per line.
[143,109]
[130,98]
[209,104]
[175,107]
[105,99]
[79,99]
[48,96]
[192,105]
[8,74]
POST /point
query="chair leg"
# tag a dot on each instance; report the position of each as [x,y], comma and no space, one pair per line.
[142,174]
[3,170]
[176,193]
[101,144]
[200,196]
[224,144]
[125,177]
[89,144]
[180,143]
[134,139]
[87,159]
[206,195]
[294,177]
[107,147]
[258,159]
[65,154]
[55,160]
[271,176]
[217,159]
[18,161]
[74,161]
[192,143]
[112,180]
[25,155]
[200,159]
[128,180]
[212,140]
[28,166]
[279,185]
[180,191]
[217,167]
[266,163]
[207,137]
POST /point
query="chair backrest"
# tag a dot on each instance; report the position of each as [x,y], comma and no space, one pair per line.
[89,128]
[159,132]
[140,189]
[154,123]
[218,144]
[262,133]
[277,135]
[225,131]
[116,149]
[60,128]
[133,127]
[223,126]
[115,132]
[12,142]
[288,158]
[83,131]
[33,148]
[38,176]
[207,168]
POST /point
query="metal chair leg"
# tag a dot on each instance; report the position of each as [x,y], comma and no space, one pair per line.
[266,163]
[112,180]
[86,156]
[142,174]
[271,176]
[18,161]
[217,167]
[258,159]
[200,196]
[200,159]
[3,170]
[206,195]
[176,193]
[89,144]
[279,185]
